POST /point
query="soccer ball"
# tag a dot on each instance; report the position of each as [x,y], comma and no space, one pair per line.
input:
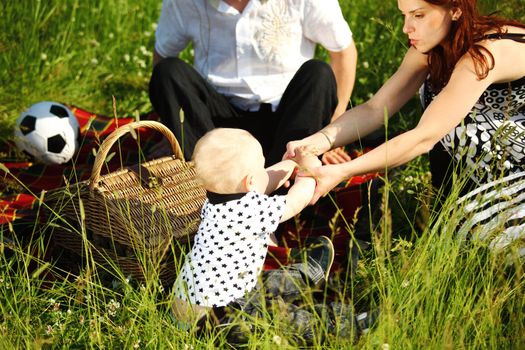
[48,131]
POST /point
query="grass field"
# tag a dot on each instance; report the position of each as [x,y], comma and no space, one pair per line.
[433,292]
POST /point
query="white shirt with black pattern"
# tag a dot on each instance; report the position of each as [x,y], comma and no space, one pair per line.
[229,249]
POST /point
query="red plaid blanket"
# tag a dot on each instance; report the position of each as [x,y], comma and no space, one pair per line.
[22,183]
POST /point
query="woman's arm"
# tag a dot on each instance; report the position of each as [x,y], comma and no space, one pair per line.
[445,112]
[363,119]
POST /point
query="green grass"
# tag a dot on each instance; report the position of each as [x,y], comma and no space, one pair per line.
[433,292]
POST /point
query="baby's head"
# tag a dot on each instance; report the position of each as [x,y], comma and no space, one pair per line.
[225,157]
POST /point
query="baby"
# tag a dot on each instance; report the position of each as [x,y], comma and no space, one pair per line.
[221,272]
[238,219]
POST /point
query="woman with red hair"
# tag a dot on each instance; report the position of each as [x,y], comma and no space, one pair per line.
[471,70]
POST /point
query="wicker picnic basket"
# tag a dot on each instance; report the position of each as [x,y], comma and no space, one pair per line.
[132,217]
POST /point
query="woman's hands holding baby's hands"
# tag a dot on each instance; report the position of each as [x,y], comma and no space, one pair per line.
[306,158]
[326,176]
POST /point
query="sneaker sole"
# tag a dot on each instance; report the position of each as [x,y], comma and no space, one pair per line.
[330,257]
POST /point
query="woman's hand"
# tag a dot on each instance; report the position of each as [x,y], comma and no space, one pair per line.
[315,144]
[293,146]
[327,177]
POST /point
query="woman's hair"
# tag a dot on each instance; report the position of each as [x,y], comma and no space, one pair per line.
[465,33]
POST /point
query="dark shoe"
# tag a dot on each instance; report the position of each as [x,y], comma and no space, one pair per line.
[366,320]
[345,323]
[318,251]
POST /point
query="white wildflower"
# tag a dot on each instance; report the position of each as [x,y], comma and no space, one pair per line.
[277,339]
[56,306]
[113,307]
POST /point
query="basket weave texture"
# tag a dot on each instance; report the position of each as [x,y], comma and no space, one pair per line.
[132,216]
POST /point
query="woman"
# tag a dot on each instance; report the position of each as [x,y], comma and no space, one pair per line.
[474,69]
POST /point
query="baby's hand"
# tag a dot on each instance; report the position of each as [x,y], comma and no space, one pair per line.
[306,157]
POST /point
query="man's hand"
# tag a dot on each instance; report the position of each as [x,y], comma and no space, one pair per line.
[336,156]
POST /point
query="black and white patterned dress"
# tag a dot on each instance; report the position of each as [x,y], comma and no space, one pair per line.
[229,249]
[489,144]
[491,139]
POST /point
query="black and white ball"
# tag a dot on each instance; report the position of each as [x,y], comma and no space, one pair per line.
[48,131]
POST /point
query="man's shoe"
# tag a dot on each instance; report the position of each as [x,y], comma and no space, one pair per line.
[318,251]
[366,320]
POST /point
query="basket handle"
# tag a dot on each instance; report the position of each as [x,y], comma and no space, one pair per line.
[117,133]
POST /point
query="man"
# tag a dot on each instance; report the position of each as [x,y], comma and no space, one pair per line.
[253,69]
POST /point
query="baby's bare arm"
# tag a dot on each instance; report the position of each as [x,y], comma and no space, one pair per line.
[279,173]
[300,194]
[298,197]
[302,191]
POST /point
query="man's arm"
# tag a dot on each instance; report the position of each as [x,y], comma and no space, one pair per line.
[156,57]
[344,65]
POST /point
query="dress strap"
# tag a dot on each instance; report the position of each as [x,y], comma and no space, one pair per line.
[519,37]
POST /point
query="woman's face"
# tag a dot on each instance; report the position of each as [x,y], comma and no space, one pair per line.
[425,24]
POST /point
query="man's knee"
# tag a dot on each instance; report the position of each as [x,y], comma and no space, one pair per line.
[317,70]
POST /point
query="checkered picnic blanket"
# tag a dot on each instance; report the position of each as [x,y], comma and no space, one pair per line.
[22,183]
